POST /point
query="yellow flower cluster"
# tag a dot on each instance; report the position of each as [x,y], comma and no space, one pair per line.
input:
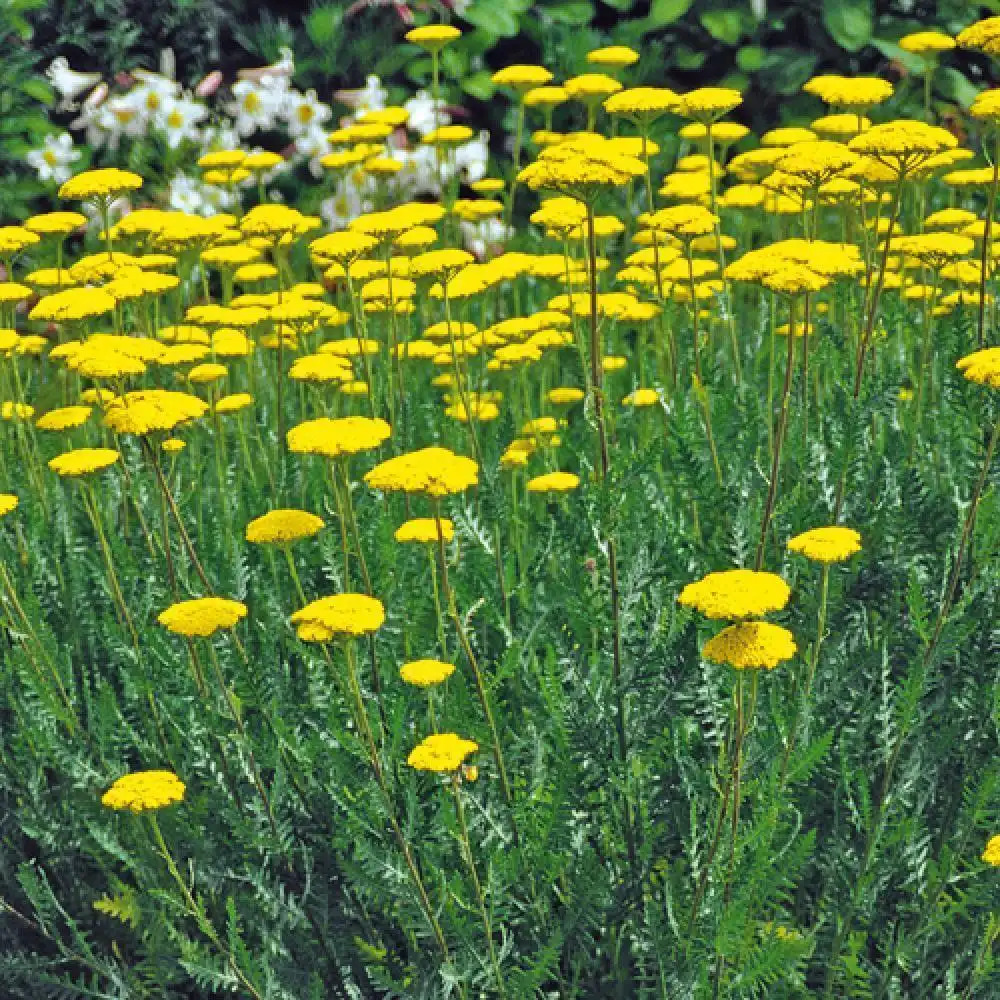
[142,791]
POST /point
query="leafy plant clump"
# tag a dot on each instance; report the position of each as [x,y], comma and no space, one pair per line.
[571,583]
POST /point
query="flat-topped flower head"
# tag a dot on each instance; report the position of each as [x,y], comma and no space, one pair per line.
[591,88]
[337,437]
[991,854]
[426,530]
[983,35]
[826,545]
[8,503]
[283,526]
[55,223]
[65,418]
[736,593]
[522,78]
[103,184]
[849,91]
[708,103]
[426,673]
[986,106]
[903,144]
[437,472]
[201,616]
[615,56]
[751,646]
[142,791]
[83,461]
[982,367]
[272,220]
[442,753]
[147,410]
[582,166]
[554,482]
[684,221]
[73,304]
[642,397]
[433,37]
[818,160]
[642,104]
[927,43]
[340,616]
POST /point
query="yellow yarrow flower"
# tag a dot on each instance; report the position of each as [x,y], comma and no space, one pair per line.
[826,545]
[442,753]
[105,183]
[8,503]
[426,530]
[751,646]
[433,37]
[335,437]
[553,482]
[736,593]
[148,410]
[982,367]
[991,854]
[283,526]
[144,790]
[83,461]
[64,419]
[437,472]
[426,673]
[342,615]
[927,43]
[202,616]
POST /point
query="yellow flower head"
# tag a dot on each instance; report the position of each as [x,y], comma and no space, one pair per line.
[425,530]
[750,646]
[554,482]
[591,87]
[8,503]
[55,223]
[991,855]
[333,438]
[342,615]
[826,545]
[144,790]
[64,419]
[442,753]
[426,673]
[202,616]
[736,593]
[148,410]
[83,461]
[73,304]
[983,35]
[642,397]
[437,472]
[849,92]
[283,526]
[433,37]
[104,184]
[522,78]
[616,56]
[927,43]
[982,367]
[708,103]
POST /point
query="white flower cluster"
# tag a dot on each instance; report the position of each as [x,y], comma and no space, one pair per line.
[261,100]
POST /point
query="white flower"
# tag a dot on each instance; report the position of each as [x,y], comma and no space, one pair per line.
[257,104]
[185,194]
[347,203]
[472,158]
[178,119]
[372,97]
[52,161]
[314,145]
[420,171]
[305,112]
[484,238]
[421,110]
[221,136]
[150,95]
[68,83]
